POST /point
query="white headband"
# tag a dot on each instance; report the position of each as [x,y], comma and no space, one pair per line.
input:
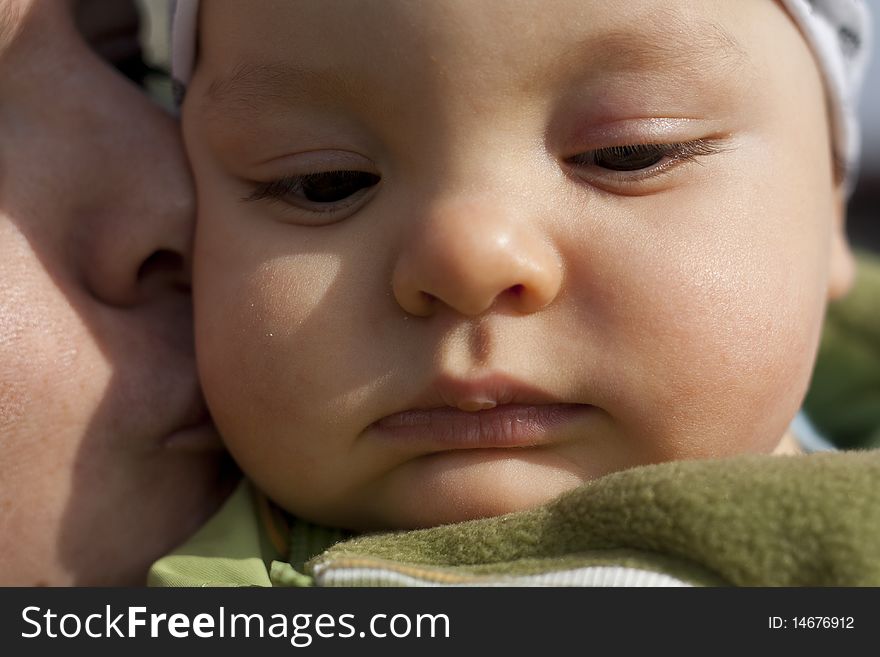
[838,31]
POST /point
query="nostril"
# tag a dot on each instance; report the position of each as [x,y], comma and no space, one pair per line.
[163,265]
[516,290]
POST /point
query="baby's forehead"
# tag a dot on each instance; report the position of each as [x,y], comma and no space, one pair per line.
[315,48]
[679,35]
[690,46]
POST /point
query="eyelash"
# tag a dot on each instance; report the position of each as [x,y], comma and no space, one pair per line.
[658,159]
[279,190]
[661,158]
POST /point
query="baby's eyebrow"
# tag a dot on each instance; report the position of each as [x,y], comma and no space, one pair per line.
[673,43]
[667,44]
[259,83]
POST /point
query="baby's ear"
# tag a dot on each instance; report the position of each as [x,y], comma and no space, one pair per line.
[842,267]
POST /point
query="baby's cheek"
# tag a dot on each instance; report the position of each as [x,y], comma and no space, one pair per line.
[256,341]
[742,338]
[717,326]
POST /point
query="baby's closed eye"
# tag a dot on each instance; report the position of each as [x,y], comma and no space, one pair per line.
[319,192]
[640,161]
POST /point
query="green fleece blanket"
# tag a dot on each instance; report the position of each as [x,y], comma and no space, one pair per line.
[753,521]
[811,520]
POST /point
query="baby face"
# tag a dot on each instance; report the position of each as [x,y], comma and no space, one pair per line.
[455,258]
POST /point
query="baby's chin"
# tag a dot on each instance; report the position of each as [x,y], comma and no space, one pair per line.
[466,485]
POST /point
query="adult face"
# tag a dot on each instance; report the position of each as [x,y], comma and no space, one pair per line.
[108,459]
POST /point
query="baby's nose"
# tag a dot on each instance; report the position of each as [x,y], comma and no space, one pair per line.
[469,258]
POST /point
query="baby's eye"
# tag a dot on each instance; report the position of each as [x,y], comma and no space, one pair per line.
[630,165]
[636,157]
[627,158]
[319,192]
[334,186]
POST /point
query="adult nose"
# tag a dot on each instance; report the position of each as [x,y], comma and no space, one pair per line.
[142,211]
[472,256]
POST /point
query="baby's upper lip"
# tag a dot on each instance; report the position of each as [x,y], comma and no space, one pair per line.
[480,393]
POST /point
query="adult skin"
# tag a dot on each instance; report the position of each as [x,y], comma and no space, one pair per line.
[108,459]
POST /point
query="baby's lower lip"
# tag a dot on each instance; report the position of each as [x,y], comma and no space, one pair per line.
[510,425]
